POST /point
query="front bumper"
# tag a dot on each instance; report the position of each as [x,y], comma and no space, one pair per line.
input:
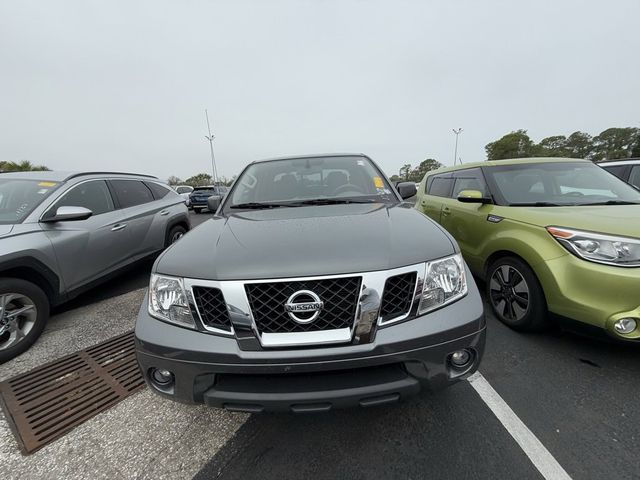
[591,293]
[403,359]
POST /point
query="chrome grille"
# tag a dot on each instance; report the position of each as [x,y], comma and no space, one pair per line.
[398,295]
[212,307]
[340,297]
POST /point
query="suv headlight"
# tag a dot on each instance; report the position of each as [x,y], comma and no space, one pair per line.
[599,248]
[445,282]
[168,300]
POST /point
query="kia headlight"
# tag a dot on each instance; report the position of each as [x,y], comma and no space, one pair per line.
[445,282]
[599,248]
[168,300]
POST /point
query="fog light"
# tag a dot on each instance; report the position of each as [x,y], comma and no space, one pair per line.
[625,325]
[461,358]
[161,377]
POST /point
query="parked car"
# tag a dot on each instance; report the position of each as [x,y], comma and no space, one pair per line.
[198,198]
[62,233]
[184,191]
[548,235]
[313,287]
[627,170]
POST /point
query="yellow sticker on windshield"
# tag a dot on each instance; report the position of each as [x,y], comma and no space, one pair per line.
[377,181]
[47,184]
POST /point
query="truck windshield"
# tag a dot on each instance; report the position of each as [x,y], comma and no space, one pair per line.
[304,181]
[560,184]
[19,197]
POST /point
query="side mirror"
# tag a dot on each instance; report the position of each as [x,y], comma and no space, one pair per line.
[213,202]
[67,214]
[473,196]
[406,189]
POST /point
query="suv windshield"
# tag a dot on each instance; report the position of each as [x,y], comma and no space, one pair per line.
[19,197]
[299,181]
[559,184]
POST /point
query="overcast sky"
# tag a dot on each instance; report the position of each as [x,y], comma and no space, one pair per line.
[123,85]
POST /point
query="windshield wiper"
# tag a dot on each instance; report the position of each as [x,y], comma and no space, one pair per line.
[259,205]
[611,202]
[333,201]
[540,204]
[317,201]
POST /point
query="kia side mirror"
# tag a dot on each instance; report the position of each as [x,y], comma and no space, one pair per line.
[473,196]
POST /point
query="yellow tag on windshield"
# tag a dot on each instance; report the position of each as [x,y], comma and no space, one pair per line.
[47,184]
[377,181]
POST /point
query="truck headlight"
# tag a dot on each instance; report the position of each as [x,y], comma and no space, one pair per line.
[168,300]
[445,282]
[599,248]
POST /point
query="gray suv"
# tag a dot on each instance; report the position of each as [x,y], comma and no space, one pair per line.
[62,233]
[313,287]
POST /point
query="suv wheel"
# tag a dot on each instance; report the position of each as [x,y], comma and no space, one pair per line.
[24,310]
[515,295]
[175,234]
[197,210]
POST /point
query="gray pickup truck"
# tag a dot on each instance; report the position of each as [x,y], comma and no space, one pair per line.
[313,287]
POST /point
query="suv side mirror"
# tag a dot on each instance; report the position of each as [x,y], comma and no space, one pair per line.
[473,196]
[67,214]
[213,202]
[406,189]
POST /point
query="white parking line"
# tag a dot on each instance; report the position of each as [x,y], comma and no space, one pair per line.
[532,447]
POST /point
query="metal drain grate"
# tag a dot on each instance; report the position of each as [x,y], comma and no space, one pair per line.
[47,402]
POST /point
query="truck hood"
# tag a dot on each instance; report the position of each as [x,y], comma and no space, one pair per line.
[306,241]
[609,219]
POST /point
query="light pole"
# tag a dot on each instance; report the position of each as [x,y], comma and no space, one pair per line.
[455,154]
[210,137]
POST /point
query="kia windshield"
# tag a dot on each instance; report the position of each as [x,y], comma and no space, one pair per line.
[559,184]
[310,181]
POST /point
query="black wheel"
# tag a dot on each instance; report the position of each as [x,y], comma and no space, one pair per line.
[515,295]
[175,234]
[197,210]
[24,311]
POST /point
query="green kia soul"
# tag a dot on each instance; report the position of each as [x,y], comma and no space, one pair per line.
[548,235]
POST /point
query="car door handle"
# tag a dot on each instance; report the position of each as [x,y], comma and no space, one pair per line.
[164,212]
[446,211]
[118,226]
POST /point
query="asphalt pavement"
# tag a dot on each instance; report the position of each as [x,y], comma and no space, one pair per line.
[579,397]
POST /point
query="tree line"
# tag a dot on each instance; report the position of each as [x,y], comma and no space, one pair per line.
[612,143]
[609,144]
[200,180]
[22,166]
[410,174]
